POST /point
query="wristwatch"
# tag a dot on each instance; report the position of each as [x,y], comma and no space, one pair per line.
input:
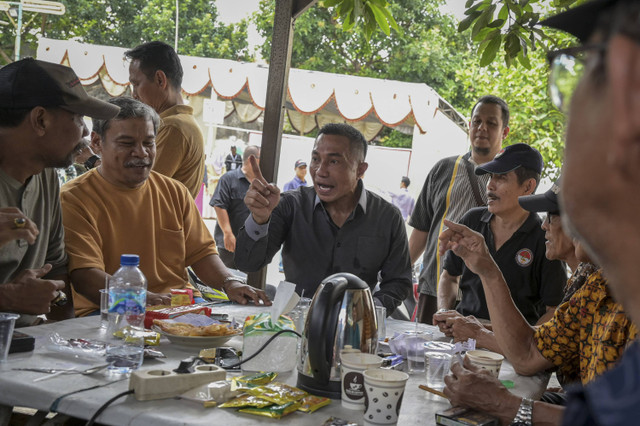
[524,416]
[91,161]
[233,278]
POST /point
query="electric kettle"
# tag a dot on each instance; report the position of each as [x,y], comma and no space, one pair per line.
[342,316]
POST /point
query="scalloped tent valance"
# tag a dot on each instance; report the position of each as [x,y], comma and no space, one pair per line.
[383,102]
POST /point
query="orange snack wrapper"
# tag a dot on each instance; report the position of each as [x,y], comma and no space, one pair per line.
[169,312]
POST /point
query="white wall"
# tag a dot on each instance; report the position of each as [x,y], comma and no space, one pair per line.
[443,139]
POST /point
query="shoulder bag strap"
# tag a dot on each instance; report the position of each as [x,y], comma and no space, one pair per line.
[473,180]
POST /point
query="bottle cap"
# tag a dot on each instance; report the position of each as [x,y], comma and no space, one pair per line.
[129,260]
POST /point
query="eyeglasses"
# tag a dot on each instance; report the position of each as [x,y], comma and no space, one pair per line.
[567,68]
[549,218]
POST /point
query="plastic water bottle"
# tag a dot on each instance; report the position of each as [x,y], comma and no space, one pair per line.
[127,301]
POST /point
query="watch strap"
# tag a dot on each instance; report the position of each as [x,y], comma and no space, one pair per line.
[524,416]
[233,278]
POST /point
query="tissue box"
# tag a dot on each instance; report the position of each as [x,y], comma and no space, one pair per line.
[169,312]
[279,355]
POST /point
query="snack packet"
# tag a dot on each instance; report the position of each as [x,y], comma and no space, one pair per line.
[181,296]
[129,333]
[278,393]
[252,380]
[311,403]
[273,411]
[246,401]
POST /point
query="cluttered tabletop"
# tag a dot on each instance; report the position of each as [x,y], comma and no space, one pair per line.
[181,381]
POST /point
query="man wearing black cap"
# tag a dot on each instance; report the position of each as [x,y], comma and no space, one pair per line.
[515,241]
[41,127]
[586,335]
[299,179]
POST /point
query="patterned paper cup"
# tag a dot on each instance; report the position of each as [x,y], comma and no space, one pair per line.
[486,360]
[384,390]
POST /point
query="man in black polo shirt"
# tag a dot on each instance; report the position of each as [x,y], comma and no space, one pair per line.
[228,202]
[515,240]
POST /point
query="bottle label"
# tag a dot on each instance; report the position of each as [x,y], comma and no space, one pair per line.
[127,302]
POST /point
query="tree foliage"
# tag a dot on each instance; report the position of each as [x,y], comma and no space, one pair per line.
[370,14]
[129,23]
[512,25]
[427,49]
[508,25]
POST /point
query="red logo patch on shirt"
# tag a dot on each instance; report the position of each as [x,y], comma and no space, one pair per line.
[524,257]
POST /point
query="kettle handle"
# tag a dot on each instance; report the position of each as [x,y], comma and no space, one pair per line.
[322,322]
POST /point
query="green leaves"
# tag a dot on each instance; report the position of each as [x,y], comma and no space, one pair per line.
[127,23]
[490,51]
[371,14]
[518,22]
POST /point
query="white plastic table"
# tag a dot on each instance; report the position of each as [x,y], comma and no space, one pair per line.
[18,389]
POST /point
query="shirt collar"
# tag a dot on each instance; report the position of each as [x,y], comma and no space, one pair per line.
[176,109]
[362,201]
[527,226]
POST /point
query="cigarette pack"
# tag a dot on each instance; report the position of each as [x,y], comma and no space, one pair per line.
[459,416]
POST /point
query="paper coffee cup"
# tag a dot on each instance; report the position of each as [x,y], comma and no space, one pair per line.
[486,360]
[384,390]
[352,366]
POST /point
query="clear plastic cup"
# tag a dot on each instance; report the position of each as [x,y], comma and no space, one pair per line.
[437,365]
[104,308]
[7,322]
[381,318]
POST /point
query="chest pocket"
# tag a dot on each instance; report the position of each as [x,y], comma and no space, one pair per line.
[371,252]
[238,193]
[171,247]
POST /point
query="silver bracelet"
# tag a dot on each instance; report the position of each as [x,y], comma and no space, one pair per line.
[524,416]
[233,278]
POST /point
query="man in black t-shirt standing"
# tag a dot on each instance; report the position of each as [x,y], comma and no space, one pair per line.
[515,240]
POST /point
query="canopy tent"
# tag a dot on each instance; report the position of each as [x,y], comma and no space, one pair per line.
[313,98]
